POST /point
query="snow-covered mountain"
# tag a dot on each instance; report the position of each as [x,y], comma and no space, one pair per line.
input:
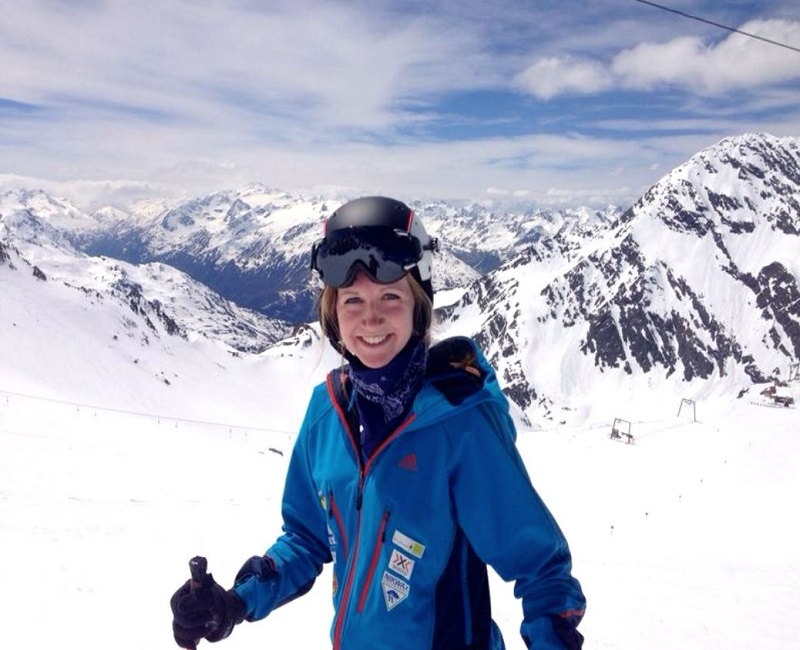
[62,342]
[158,300]
[251,245]
[695,287]
[693,290]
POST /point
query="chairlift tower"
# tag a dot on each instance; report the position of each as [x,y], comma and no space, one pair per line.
[621,430]
[688,403]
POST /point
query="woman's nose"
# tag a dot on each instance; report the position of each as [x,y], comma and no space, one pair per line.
[372,313]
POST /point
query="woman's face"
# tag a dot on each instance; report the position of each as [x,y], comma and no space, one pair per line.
[375,320]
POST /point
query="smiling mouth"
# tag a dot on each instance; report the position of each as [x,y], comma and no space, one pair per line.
[374,340]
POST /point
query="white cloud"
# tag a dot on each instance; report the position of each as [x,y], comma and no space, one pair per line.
[650,64]
[313,93]
[591,171]
[554,76]
[736,62]
[330,63]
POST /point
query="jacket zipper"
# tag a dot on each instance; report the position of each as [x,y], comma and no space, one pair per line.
[362,474]
[363,469]
[360,490]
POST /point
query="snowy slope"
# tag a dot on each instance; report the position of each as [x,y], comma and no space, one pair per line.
[170,301]
[70,331]
[111,479]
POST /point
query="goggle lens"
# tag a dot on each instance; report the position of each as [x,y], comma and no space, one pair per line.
[385,254]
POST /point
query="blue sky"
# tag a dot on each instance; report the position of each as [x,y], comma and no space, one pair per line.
[556,103]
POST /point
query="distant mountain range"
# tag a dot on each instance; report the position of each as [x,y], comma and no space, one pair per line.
[694,288]
[252,245]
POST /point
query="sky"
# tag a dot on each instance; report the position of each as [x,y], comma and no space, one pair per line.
[112,478]
[559,104]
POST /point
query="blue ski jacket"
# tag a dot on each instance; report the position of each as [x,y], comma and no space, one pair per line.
[411,530]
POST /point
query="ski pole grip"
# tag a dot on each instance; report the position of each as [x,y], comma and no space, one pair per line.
[198,567]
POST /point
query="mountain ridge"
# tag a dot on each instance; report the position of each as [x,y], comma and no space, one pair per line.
[691,290]
[675,288]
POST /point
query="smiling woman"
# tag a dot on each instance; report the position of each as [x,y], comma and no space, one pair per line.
[405,474]
[375,321]
[376,263]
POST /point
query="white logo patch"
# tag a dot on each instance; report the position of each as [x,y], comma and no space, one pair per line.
[331,537]
[395,591]
[402,564]
[407,544]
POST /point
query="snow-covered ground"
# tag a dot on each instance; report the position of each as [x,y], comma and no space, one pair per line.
[125,452]
[685,539]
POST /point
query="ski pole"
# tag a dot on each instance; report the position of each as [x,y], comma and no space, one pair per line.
[198,568]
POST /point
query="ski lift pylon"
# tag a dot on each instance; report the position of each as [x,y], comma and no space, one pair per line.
[621,430]
[688,402]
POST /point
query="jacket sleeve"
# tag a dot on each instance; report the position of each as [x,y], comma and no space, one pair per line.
[302,549]
[511,529]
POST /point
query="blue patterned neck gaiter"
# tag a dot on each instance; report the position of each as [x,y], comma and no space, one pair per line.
[385,394]
[394,385]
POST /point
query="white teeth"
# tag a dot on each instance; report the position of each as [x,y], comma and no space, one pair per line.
[374,340]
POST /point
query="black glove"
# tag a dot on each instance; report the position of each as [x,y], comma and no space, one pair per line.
[263,568]
[567,633]
[204,611]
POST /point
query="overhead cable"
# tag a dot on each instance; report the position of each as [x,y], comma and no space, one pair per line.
[721,26]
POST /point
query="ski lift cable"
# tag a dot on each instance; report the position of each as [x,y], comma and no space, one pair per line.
[154,416]
[720,25]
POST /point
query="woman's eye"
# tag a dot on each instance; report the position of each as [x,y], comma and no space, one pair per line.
[352,300]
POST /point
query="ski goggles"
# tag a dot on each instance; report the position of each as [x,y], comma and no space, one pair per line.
[385,254]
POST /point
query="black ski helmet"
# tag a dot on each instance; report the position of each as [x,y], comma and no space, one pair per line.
[379,236]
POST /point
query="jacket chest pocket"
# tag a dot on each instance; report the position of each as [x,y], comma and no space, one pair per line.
[375,556]
[337,531]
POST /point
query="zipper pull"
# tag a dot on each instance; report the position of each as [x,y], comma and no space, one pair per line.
[360,492]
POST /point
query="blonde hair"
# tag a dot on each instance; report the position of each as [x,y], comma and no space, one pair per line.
[329,323]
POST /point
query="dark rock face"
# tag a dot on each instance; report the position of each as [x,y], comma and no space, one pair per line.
[779,300]
[131,292]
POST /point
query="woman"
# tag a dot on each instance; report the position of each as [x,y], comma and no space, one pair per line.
[404,474]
